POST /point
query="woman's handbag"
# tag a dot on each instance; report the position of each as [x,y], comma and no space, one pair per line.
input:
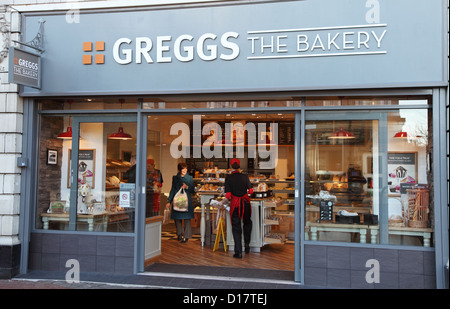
[180,201]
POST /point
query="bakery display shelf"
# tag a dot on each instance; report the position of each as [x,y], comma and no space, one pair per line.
[283,190]
[270,221]
[275,238]
[289,181]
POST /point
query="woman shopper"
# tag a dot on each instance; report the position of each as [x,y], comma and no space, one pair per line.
[236,186]
[185,181]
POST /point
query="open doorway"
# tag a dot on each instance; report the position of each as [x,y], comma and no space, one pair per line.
[265,145]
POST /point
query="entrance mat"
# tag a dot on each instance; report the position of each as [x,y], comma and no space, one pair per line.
[219,271]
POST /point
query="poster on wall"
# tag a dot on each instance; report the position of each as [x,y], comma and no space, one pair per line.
[402,169]
[86,167]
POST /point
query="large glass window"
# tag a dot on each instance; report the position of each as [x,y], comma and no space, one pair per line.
[340,174]
[410,202]
[370,181]
[105,190]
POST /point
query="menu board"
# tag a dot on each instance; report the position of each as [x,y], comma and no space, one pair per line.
[286,133]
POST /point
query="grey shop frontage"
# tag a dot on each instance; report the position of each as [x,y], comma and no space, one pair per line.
[338,118]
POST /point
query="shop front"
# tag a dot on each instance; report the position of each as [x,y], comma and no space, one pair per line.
[336,119]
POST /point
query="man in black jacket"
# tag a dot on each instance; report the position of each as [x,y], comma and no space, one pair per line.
[236,187]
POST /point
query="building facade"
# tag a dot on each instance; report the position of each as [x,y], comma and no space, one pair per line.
[338,109]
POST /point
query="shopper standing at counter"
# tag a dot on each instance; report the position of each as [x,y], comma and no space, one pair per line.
[236,186]
[185,181]
[153,188]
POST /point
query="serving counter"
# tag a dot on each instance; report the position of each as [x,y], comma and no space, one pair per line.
[261,227]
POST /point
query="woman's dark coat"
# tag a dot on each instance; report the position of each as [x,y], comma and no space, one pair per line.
[177,182]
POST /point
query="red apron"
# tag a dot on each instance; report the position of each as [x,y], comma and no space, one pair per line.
[238,202]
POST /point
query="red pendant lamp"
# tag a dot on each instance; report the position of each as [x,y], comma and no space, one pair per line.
[401,134]
[342,134]
[67,134]
[120,135]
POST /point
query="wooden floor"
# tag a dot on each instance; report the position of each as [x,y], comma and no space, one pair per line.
[274,256]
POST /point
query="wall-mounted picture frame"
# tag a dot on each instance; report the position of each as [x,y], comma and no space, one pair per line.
[86,167]
[52,157]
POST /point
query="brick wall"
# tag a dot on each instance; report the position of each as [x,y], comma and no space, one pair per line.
[49,185]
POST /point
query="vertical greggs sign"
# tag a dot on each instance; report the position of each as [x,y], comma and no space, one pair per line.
[243,47]
[24,68]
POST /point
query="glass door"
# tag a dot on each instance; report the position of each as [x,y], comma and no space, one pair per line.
[102,174]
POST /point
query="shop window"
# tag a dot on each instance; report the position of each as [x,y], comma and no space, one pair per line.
[410,202]
[105,196]
[340,174]
[370,181]
[51,172]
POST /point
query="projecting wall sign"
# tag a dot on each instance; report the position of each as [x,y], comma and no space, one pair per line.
[24,68]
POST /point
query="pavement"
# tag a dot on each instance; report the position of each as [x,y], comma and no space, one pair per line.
[147,280]
[166,288]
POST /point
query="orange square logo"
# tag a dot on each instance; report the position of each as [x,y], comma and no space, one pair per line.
[99,45]
[87,46]
[87,59]
[99,59]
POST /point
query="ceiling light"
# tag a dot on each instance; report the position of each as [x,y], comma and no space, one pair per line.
[66,135]
[401,134]
[120,135]
[342,134]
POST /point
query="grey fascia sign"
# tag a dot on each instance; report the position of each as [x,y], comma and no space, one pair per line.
[24,68]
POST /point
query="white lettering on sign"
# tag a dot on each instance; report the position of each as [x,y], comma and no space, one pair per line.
[317,42]
[28,64]
[262,44]
[182,48]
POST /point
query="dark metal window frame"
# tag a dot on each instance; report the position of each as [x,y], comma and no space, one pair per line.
[29,175]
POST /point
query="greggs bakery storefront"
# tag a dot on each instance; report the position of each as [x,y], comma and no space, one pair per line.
[336,112]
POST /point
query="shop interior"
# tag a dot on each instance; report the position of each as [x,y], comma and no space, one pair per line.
[208,162]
